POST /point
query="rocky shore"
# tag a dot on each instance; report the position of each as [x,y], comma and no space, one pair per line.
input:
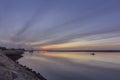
[12,70]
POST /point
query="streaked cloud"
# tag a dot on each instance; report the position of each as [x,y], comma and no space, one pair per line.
[59,24]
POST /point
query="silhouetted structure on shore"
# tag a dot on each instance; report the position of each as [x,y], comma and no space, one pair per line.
[3,48]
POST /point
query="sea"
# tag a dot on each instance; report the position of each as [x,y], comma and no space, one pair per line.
[74,65]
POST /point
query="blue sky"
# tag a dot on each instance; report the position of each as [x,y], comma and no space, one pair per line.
[60,24]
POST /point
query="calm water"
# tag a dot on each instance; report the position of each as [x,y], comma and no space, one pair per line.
[74,65]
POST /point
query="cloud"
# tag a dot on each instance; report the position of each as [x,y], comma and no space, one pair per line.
[68,29]
[69,25]
[83,35]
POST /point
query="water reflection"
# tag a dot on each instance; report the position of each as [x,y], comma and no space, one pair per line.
[74,66]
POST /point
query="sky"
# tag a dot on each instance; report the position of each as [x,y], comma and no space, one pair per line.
[60,24]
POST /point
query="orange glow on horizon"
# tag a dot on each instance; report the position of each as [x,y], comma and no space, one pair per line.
[61,46]
[97,44]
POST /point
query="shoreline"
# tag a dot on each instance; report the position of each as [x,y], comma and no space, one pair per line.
[14,70]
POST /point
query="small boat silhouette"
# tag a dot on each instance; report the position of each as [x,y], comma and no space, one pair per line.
[92,54]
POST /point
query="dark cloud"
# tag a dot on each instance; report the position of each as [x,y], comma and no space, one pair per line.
[66,38]
[83,20]
[100,9]
[19,36]
[29,23]
[26,26]
[98,32]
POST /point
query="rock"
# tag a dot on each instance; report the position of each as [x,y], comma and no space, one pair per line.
[10,70]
